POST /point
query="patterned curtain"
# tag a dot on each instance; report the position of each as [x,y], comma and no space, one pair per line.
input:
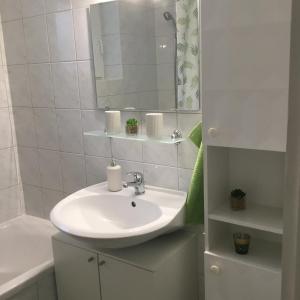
[188,56]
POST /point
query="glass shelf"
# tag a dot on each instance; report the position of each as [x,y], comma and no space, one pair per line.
[138,137]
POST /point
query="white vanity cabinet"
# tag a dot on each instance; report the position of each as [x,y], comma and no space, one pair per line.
[76,272]
[165,268]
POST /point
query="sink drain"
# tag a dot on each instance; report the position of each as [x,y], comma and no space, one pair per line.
[133,204]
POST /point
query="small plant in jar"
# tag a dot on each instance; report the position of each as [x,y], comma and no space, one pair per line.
[238,199]
[132,126]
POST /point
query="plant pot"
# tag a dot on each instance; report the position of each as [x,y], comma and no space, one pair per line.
[238,203]
[132,129]
[241,242]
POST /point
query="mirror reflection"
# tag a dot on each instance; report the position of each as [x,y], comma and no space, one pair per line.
[146,54]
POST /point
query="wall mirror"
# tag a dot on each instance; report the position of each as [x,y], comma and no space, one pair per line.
[146,54]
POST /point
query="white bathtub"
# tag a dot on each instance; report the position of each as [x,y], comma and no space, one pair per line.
[25,253]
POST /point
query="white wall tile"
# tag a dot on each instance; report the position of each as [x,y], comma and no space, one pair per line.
[187,154]
[10,10]
[70,130]
[187,150]
[57,5]
[160,154]
[74,176]
[36,40]
[185,176]
[129,166]
[94,120]
[32,8]
[24,126]
[161,176]
[14,42]
[82,34]
[10,203]
[186,122]
[41,87]
[96,169]
[61,36]
[5,129]
[65,80]
[19,85]
[33,204]
[50,199]
[128,150]
[46,128]
[29,166]
[87,88]
[8,174]
[50,169]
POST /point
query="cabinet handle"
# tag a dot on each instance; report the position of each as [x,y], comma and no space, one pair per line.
[215,269]
[212,132]
[91,259]
[102,263]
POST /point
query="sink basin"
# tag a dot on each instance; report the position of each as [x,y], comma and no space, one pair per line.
[119,219]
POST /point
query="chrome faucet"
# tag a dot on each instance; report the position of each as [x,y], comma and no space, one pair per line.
[138,182]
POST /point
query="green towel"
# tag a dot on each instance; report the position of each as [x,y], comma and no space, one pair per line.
[195,198]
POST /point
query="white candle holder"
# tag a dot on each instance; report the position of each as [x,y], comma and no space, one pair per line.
[113,122]
[154,125]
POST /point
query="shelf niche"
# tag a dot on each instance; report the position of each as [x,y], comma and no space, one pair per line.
[264,251]
[258,173]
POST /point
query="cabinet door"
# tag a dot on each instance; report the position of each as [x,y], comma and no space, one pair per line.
[76,271]
[120,280]
[245,67]
[228,280]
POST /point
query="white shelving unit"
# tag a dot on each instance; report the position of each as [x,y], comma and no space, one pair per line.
[245,136]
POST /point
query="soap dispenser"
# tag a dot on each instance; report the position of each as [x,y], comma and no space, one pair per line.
[114,177]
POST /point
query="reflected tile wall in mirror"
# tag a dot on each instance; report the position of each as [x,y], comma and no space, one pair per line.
[141,49]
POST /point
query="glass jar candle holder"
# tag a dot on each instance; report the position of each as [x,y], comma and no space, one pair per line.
[241,242]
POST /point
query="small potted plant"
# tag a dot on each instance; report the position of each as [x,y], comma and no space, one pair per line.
[132,126]
[238,200]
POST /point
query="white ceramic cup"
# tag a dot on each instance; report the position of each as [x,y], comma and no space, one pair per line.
[113,121]
[154,125]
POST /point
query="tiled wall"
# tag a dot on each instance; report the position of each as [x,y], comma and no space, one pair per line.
[52,87]
[11,198]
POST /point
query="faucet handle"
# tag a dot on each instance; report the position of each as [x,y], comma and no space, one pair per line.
[138,177]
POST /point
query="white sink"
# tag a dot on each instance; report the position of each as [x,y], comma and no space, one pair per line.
[121,219]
